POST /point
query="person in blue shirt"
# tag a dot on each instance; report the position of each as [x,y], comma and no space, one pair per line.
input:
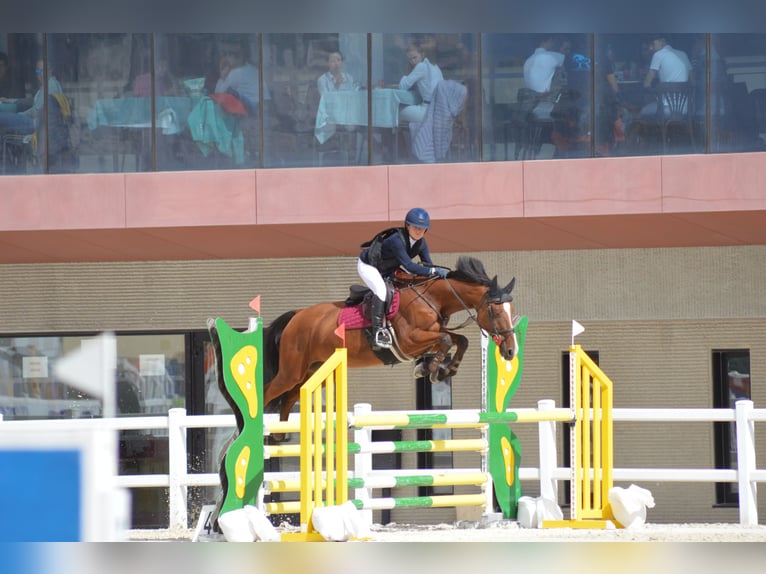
[390,250]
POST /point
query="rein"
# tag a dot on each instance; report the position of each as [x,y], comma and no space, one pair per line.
[472,316]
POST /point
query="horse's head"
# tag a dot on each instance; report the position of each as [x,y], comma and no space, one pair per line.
[497,317]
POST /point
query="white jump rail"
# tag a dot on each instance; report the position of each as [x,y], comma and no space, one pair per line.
[178,479]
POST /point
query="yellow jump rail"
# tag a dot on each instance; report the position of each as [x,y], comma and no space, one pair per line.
[321,460]
[591,445]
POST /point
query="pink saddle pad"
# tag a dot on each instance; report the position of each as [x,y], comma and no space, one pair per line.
[355,319]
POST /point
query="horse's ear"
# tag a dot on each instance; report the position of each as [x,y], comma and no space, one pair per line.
[493,285]
[508,288]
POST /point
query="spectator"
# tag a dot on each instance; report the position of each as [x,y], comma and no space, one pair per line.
[26,121]
[240,78]
[667,65]
[424,76]
[541,67]
[165,84]
[335,79]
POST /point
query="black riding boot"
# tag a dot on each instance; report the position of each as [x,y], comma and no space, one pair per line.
[377,312]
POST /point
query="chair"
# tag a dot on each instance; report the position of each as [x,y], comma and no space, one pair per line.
[17,152]
[462,146]
[292,130]
[675,113]
[53,138]
[532,128]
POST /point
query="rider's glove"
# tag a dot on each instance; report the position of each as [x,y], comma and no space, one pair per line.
[439,271]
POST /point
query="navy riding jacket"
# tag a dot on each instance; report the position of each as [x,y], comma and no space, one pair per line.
[394,254]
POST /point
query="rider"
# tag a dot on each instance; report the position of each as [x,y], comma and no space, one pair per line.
[393,253]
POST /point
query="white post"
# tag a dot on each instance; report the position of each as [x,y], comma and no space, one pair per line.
[748,495]
[363,460]
[547,440]
[177,475]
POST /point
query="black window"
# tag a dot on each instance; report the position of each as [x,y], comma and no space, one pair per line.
[731,382]
[434,396]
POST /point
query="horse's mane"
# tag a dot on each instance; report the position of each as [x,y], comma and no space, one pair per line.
[470,270]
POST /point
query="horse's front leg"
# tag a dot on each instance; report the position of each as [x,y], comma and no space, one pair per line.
[449,368]
[437,345]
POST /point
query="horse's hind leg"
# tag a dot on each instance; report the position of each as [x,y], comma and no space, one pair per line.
[288,400]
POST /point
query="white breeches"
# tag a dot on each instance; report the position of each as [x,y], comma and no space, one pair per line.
[372,278]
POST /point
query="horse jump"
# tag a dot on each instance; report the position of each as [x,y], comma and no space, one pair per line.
[591,466]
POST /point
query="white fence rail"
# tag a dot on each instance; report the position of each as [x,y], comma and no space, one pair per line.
[746,474]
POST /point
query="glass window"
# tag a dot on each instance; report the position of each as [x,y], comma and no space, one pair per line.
[731,382]
[537,96]
[150,380]
[651,94]
[737,92]
[102,130]
[317,114]
[22,105]
[208,92]
[406,72]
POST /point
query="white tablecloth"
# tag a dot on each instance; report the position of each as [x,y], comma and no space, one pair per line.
[349,108]
[172,113]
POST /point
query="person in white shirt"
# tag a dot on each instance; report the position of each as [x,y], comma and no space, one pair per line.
[335,79]
[541,67]
[668,65]
[424,76]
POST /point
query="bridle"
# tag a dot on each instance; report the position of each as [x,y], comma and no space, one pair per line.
[498,335]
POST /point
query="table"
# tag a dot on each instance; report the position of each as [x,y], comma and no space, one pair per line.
[349,108]
[131,119]
[172,113]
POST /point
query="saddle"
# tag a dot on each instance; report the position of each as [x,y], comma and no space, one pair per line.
[356,312]
[356,315]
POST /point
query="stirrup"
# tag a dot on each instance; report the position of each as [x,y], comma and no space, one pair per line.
[383,339]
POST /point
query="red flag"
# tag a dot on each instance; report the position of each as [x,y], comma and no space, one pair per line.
[256,304]
[341,333]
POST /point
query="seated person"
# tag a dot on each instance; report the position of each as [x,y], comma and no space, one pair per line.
[165,84]
[539,71]
[669,65]
[239,78]
[541,66]
[26,122]
[424,76]
[335,79]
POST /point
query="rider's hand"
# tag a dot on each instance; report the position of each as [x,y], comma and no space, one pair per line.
[439,271]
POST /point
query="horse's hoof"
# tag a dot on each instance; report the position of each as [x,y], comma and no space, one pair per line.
[277,438]
[441,375]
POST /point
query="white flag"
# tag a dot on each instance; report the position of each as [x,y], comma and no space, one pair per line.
[576,328]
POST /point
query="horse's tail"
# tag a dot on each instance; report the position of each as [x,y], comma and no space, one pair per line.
[271,338]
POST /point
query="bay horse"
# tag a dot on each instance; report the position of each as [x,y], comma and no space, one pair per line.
[297,342]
